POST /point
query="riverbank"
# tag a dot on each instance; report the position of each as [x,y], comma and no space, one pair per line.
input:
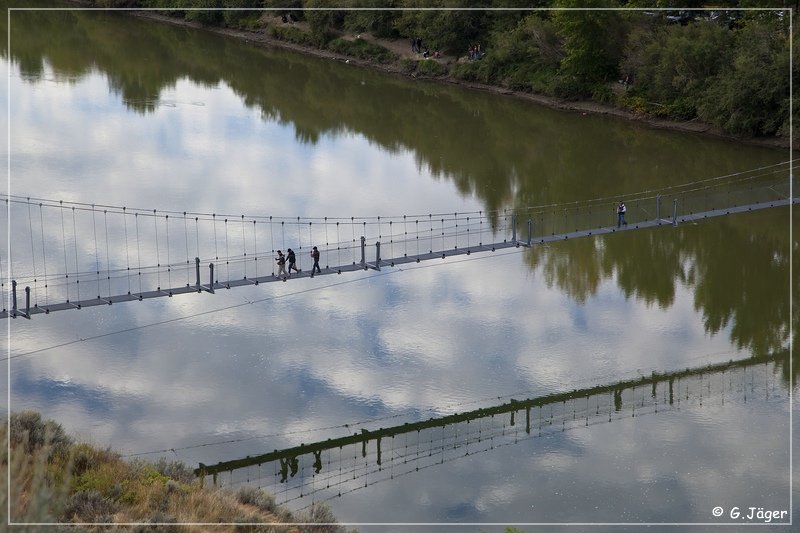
[56,479]
[404,56]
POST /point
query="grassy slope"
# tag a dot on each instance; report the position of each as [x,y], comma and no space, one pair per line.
[56,480]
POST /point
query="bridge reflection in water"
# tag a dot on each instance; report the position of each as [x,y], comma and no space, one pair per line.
[71,255]
[310,473]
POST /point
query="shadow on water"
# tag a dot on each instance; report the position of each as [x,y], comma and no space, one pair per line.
[387,453]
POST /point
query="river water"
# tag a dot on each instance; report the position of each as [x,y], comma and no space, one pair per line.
[113,110]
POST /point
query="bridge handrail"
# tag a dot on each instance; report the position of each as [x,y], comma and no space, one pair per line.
[688,187]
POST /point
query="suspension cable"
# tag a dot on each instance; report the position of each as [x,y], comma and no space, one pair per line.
[44,255]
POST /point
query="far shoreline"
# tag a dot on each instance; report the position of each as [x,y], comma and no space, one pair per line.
[260,38]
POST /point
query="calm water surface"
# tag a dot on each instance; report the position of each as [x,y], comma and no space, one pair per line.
[118,111]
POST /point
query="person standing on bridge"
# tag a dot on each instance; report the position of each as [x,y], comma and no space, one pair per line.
[315,257]
[292,260]
[621,215]
[281,259]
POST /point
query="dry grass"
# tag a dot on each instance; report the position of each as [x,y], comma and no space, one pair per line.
[57,481]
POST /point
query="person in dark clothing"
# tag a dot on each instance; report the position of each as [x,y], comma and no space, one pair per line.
[291,259]
[315,257]
[621,209]
[281,260]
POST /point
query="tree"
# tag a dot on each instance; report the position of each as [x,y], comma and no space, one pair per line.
[235,18]
[674,66]
[378,22]
[451,30]
[322,21]
[593,42]
[211,16]
[751,96]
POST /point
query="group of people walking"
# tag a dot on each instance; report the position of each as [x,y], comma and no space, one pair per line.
[291,259]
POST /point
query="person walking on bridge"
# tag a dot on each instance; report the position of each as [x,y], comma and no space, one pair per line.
[281,260]
[315,257]
[621,209]
[292,260]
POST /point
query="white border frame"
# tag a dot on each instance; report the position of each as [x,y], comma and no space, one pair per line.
[479,524]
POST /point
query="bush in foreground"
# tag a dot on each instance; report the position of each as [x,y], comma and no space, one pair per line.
[56,480]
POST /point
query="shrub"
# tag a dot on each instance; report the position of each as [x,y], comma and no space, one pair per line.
[378,23]
[319,513]
[28,430]
[102,477]
[84,456]
[635,103]
[117,3]
[362,49]
[465,71]
[431,68]
[408,65]
[176,470]
[292,35]
[681,108]
[248,495]
[157,518]
[602,93]
[209,17]
[569,87]
[38,486]
[528,78]
[239,18]
[88,506]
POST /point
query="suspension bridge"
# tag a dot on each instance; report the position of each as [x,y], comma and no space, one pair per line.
[302,475]
[69,255]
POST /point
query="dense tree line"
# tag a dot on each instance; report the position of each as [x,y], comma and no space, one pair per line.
[728,67]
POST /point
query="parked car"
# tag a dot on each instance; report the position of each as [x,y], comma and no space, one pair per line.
[681,17]
[726,18]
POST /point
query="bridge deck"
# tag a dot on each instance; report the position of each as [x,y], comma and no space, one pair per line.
[21,309]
